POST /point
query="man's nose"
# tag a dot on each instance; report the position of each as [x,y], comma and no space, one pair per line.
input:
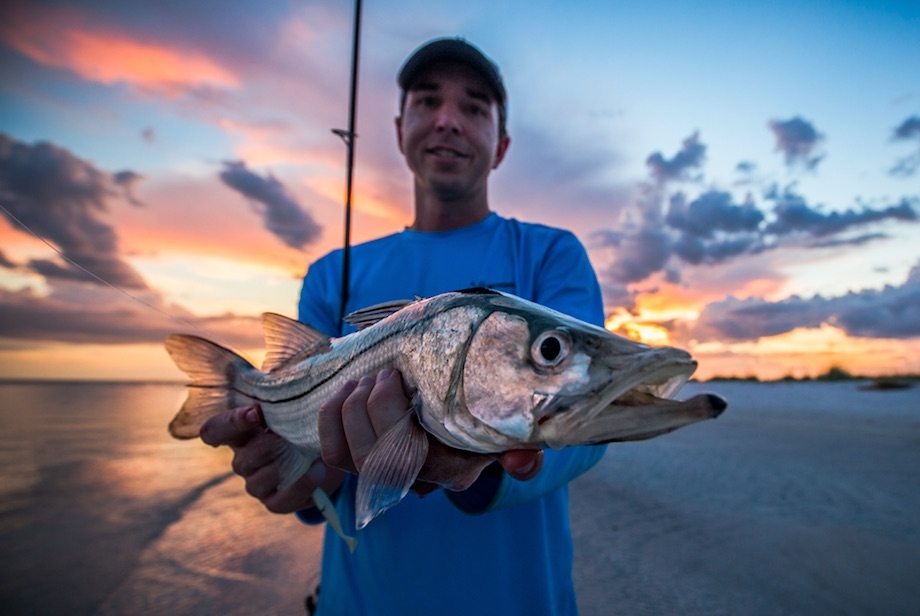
[448,119]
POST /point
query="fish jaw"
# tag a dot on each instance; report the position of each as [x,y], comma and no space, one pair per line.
[634,417]
[628,384]
[635,404]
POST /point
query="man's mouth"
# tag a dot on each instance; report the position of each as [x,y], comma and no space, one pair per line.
[445,153]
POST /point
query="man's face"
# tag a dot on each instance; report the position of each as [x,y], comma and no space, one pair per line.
[448,131]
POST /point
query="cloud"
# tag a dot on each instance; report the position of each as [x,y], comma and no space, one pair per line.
[688,158]
[5,262]
[234,70]
[906,166]
[797,139]
[793,215]
[693,250]
[127,180]
[67,39]
[94,315]
[60,197]
[235,74]
[908,130]
[670,229]
[746,167]
[283,216]
[639,255]
[711,212]
[892,312]
[859,240]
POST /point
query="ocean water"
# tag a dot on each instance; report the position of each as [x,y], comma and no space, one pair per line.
[800,499]
[102,512]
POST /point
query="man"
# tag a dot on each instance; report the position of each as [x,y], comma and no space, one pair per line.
[496,538]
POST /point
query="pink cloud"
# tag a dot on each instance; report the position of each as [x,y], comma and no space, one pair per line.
[60,39]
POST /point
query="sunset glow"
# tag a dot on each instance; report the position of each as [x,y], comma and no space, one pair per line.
[111,58]
[186,156]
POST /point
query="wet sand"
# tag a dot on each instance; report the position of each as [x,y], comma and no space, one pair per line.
[801,499]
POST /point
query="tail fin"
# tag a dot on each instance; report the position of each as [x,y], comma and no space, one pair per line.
[213,370]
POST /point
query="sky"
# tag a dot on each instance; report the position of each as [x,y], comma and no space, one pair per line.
[744,175]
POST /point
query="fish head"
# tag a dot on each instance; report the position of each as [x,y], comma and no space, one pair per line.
[534,377]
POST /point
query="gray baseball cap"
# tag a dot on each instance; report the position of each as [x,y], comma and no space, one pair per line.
[454,49]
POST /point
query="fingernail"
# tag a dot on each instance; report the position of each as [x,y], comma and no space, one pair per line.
[386,373]
[529,468]
[251,415]
[366,381]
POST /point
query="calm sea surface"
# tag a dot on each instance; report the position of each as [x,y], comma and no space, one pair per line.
[102,512]
[800,499]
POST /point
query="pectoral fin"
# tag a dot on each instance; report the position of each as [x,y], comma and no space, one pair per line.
[390,469]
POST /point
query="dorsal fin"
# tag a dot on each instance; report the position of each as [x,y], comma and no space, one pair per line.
[479,291]
[372,314]
[288,341]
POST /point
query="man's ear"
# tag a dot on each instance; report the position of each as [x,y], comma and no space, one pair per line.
[398,121]
[501,149]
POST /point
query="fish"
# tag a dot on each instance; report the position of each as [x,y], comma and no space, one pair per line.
[488,371]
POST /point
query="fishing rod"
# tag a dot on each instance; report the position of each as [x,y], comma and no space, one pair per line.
[349,136]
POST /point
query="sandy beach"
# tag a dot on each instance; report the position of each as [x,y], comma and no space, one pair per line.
[800,499]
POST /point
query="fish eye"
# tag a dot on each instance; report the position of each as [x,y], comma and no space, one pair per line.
[550,348]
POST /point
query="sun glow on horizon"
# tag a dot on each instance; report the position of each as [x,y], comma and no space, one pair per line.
[800,353]
[805,353]
[624,323]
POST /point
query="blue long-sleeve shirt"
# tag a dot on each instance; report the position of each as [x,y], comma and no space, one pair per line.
[502,549]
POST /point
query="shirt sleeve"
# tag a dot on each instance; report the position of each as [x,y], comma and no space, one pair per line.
[565,282]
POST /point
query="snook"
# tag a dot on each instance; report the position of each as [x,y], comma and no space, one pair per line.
[489,372]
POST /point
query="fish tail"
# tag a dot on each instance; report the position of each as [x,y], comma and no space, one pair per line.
[213,370]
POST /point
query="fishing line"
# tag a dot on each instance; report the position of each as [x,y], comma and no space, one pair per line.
[96,276]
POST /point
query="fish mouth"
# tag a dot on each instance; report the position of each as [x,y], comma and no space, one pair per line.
[636,405]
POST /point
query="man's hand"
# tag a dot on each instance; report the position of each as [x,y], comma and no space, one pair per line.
[357,415]
[255,451]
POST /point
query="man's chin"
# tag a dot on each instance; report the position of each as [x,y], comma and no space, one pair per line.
[449,189]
